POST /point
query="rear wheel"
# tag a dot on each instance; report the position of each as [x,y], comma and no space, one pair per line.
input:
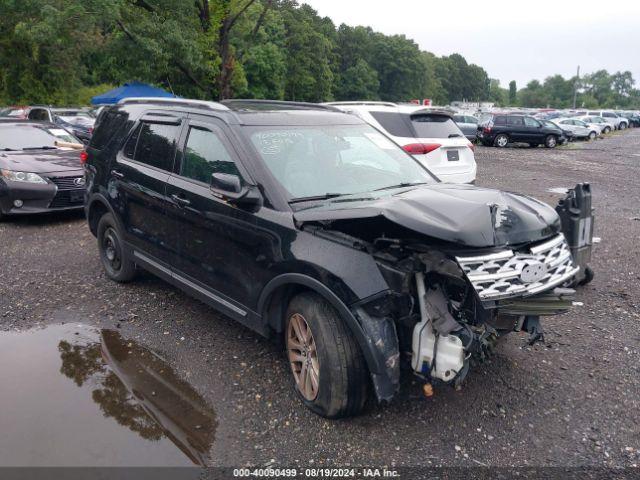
[607,129]
[115,261]
[501,140]
[551,141]
[622,126]
[328,368]
[592,135]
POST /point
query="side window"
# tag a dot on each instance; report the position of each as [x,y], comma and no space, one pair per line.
[38,114]
[130,146]
[515,121]
[106,126]
[472,120]
[156,145]
[204,155]
[500,120]
[608,115]
[531,122]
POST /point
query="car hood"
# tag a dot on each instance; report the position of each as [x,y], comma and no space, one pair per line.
[462,214]
[41,161]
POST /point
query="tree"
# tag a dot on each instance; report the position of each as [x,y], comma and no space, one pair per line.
[359,82]
[513,91]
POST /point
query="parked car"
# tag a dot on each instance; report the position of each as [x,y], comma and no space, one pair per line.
[307,224]
[77,121]
[578,128]
[604,125]
[430,135]
[15,112]
[40,169]
[633,117]
[617,122]
[500,130]
[468,124]
[567,135]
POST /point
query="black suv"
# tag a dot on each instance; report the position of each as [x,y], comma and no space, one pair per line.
[310,226]
[502,129]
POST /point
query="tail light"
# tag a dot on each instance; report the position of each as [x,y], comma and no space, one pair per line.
[421,148]
[83,157]
[486,129]
[90,130]
[472,147]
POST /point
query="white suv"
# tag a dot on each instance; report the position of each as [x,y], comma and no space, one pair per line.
[613,119]
[430,135]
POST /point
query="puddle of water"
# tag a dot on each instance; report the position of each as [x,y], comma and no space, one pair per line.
[75,396]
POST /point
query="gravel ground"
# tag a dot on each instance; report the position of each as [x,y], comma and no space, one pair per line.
[572,402]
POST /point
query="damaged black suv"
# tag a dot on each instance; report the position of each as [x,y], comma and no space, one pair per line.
[310,226]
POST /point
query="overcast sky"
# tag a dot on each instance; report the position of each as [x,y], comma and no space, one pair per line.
[511,40]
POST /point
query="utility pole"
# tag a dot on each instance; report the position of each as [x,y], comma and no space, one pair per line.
[575,87]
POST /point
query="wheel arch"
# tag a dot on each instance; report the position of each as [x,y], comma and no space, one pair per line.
[276,294]
[96,207]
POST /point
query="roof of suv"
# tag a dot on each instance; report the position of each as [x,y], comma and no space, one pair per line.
[254,112]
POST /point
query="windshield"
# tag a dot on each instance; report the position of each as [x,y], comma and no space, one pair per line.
[334,159]
[435,126]
[19,137]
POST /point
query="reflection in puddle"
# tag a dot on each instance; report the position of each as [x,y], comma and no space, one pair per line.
[143,409]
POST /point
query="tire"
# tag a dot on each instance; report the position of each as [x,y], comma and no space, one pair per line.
[592,135]
[551,141]
[501,141]
[115,261]
[622,126]
[607,130]
[341,374]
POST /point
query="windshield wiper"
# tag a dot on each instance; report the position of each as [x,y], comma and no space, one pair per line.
[401,185]
[324,196]
[46,147]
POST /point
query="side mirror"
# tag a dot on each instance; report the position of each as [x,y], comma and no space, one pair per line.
[226,184]
[229,187]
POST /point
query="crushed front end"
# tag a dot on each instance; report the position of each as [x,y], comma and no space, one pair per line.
[450,306]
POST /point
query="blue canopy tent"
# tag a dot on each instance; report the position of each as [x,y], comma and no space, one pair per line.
[130,89]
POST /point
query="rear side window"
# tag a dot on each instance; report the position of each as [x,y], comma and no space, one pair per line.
[608,115]
[394,123]
[155,144]
[459,119]
[107,125]
[500,120]
[435,126]
[515,121]
[204,155]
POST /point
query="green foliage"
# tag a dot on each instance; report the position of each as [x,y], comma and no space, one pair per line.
[65,51]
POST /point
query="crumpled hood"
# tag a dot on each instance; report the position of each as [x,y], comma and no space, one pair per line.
[41,161]
[463,214]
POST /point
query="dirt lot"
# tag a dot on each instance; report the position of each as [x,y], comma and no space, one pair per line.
[574,401]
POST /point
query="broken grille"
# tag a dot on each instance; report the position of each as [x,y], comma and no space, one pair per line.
[504,274]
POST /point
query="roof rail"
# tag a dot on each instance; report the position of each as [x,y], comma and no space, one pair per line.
[258,104]
[364,102]
[183,102]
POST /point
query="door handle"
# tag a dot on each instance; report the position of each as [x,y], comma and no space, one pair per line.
[181,201]
[117,174]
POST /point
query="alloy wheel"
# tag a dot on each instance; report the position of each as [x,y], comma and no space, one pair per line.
[303,357]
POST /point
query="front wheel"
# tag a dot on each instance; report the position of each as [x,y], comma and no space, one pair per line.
[501,140]
[328,368]
[592,135]
[622,126]
[551,141]
[115,260]
[607,129]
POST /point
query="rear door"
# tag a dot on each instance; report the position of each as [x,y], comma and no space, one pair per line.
[140,175]
[516,129]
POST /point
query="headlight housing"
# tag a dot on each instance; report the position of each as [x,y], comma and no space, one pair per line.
[26,177]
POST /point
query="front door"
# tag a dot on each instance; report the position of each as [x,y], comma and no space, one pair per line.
[221,247]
